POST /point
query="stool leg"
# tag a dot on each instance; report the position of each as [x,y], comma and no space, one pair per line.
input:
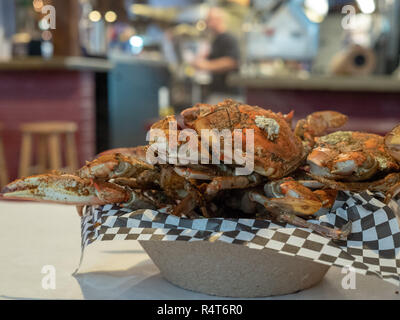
[42,154]
[54,152]
[3,167]
[26,150]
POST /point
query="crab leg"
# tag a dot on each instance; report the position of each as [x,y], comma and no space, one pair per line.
[301,189]
[335,234]
[382,185]
[128,182]
[139,201]
[148,179]
[67,189]
[72,190]
[203,172]
[327,197]
[392,192]
[286,211]
[217,184]
[317,124]
[112,166]
[306,207]
[235,182]
[189,173]
[289,190]
[188,204]
[311,184]
[392,143]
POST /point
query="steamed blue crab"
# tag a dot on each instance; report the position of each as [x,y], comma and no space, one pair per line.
[126,177]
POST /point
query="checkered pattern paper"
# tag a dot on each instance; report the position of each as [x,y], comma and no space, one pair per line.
[372,248]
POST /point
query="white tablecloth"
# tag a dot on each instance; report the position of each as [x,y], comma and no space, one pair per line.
[34,235]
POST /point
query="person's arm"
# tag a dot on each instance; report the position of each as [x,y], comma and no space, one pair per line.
[227,58]
[222,64]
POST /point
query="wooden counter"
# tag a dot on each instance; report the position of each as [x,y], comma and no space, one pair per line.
[60,89]
[59,63]
[319,83]
[372,103]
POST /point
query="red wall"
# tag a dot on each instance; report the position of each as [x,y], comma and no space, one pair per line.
[30,96]
[375,112]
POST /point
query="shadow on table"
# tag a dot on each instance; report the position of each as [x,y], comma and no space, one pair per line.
[21,298]
[142,281]
[123,251]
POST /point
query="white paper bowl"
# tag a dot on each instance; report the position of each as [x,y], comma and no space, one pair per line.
[231,270]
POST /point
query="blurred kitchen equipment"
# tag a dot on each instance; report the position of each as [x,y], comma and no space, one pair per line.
[285,33]
[387,42]
[169,13]
[355,60]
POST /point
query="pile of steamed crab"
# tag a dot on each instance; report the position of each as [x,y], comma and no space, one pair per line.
[297,172]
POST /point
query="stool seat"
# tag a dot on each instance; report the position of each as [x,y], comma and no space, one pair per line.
[49,146]
[49,127]
[3,167]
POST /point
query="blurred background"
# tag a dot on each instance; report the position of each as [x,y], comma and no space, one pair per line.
[78,77]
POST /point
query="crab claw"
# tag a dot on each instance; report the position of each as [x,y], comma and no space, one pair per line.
[287,209]
[360,164]
[353,165]
[66,189]
[317,124]
[392,143]
[113,165]
[190,115]
[296,206]
[292,196]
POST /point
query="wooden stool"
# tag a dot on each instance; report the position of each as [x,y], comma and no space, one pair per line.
[49,146]
[3,167]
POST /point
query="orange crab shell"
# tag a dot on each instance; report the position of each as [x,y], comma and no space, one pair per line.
[357,145]
[392,143]
[275,156]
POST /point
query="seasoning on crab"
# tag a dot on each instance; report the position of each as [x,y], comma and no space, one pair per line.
[269,125]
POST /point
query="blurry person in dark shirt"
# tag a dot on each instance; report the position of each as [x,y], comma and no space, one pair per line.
[223,58]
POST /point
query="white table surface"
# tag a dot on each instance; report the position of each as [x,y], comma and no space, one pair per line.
[33,235]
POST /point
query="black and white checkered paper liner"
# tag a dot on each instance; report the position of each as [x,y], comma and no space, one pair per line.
[372,248]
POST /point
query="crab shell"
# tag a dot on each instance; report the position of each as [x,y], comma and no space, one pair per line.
[277,150]
[350,156]
[392,143]
[138,153]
